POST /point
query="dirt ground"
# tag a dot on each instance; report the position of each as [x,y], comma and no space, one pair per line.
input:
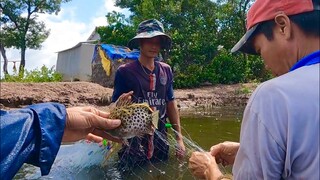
[15,95]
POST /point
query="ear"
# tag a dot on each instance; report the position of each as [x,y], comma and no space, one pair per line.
[283,25]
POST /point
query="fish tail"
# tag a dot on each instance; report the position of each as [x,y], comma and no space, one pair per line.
[125,142]
[155,118]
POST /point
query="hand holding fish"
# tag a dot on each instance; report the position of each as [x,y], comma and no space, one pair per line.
[225,152]
[89,123]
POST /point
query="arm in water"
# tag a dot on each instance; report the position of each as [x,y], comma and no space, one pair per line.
[174,118]
[33,134]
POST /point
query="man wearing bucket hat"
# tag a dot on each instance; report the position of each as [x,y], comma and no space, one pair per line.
[279,136]
[151,81]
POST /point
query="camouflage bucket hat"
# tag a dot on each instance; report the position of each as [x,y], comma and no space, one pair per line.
[149,29]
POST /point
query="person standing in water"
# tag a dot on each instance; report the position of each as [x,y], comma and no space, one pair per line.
[151,81]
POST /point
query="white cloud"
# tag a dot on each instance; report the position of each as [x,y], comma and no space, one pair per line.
[110,6]
[100,21]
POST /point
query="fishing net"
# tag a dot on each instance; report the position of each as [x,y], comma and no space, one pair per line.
[173,168]
[86,160]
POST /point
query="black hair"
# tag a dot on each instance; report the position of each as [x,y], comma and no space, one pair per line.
[308,22]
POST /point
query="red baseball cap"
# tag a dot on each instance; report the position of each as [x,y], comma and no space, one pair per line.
[264,10]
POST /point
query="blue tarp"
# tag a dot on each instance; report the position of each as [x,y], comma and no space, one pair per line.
[114,52]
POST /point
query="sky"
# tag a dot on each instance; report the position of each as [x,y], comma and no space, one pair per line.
[74,23]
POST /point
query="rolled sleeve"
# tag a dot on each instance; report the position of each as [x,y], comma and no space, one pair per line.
[51,118]
[31,135]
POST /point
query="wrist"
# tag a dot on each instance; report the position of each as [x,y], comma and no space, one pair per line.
[178,135]
[213,173]
[224,177]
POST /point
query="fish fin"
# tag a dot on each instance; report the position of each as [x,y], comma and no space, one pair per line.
[147,105]
[143,104]
[112,106]
[155,118]
[123,102]
[125,142]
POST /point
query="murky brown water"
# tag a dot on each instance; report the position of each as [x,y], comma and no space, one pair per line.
[203,127]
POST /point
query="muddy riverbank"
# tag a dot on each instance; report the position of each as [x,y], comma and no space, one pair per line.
[15,95]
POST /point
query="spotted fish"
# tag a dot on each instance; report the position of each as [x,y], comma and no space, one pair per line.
[137,119]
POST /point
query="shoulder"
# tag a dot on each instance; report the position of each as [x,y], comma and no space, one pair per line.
[267,93]
[128,66]
[164,66]
[289,86]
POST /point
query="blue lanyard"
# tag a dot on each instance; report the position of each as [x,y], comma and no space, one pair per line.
[312,58]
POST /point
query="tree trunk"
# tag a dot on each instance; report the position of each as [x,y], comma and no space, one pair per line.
[22,62]
[5,60]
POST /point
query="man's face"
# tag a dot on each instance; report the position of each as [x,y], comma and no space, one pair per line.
[150,47]
[273,52]
[279,53]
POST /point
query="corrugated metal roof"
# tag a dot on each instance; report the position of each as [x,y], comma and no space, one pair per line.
[79,44]
[89,41]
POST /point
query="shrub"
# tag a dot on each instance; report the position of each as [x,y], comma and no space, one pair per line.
[43,75]
[227,68]
[189,79]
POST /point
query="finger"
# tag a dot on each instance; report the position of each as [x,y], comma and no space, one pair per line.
[129,93]
[224,163]
[194,157]
[71,135]
[125,95]
[208,157]
[214,150]
[105,135]
[192,163]
[94,138]
[102,113]
[103,123]
[219,159]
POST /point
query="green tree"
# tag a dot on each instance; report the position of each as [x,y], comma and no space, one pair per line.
[20,27]
[118,32]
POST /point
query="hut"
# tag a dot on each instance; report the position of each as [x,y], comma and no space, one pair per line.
[75,63]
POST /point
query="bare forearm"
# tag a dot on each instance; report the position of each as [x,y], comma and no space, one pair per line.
[174,118]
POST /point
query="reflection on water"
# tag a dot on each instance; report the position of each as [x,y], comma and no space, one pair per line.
[201,127]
